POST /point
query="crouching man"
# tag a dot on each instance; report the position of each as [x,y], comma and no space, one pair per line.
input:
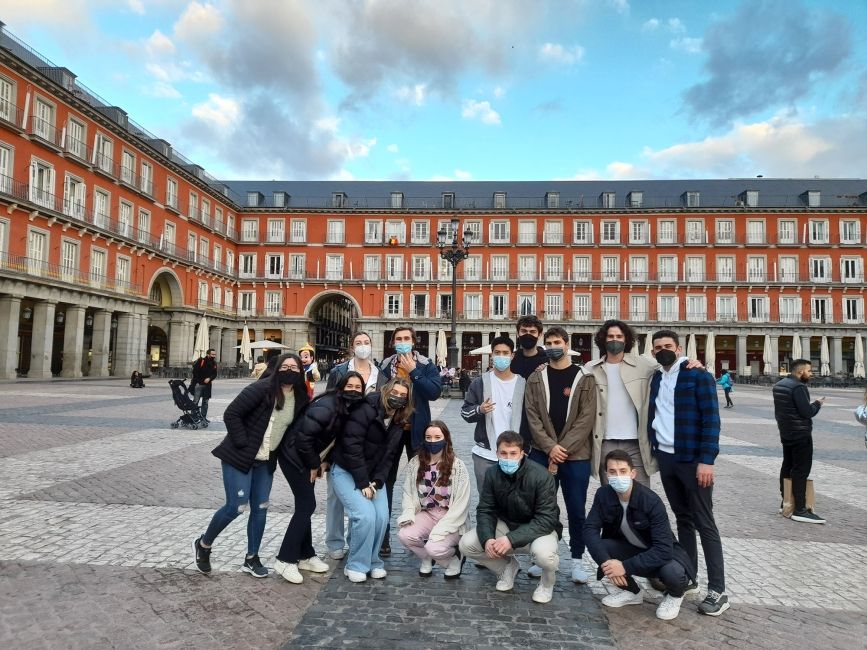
[517,513]
[628,534]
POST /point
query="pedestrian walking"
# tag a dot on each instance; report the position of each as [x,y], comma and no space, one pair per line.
[204,374]
[303,458]
[362,459]
[861,415]
[256,422]
[259,368]
[794,413]
[725,381]
[436,499]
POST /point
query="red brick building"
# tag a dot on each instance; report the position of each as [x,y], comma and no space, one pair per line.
[113,245]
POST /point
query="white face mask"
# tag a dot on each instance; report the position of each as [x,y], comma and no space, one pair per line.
[363,351]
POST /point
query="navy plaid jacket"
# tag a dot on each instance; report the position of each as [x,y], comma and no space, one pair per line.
[696,415]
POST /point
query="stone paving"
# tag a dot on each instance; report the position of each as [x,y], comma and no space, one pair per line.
[100,500]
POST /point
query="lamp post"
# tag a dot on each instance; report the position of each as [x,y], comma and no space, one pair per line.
[454,252]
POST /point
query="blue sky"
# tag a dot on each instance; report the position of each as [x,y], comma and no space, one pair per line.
[481,90]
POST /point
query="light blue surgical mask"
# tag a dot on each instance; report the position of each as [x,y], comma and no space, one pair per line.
[502,363]
[509,466]
[621,484]
[403,348]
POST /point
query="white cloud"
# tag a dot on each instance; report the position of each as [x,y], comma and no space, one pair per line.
[472,109]
[352,149]
[675,25]
[462,175]
[136,7]
[158,44]
[218,111]
[686,44]
[620,6]
[650,25]
[412,94]
[557,53]
[162,90]
[329,124]
[499,92]
[392,148]
[69,20]
[198,24]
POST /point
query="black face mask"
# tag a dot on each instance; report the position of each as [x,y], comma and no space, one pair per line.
[395,402]
[288,376]
[666,357]
[527,341]
[615,347]
[352,396]
[555,354]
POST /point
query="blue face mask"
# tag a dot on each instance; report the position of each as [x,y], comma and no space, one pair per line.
[509,466]
[403,348]
[621,484]
[434,448]
[502,363]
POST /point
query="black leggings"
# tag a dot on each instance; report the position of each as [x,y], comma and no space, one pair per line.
[298,538]
[405,445]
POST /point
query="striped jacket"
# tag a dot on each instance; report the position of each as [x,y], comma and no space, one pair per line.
[696,415]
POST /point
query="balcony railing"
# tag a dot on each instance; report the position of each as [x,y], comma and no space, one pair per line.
[45,131]
[19,264]
[10,113]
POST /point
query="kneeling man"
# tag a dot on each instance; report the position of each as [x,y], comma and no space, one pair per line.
[628,534]
[517,513]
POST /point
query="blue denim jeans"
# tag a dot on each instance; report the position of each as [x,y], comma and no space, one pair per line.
[573,476]
[368,519]
[244,490]
[335,533]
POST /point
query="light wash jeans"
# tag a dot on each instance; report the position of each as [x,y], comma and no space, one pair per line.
[335,532]
[368,519]
[244,491]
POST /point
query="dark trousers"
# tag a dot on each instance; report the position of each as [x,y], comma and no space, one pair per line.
[797,462]
[693,509]
[728,393]
[673,574]
[298,538]
[405,445]
[574,477]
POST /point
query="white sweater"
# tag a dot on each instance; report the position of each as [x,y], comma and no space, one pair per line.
[459,500]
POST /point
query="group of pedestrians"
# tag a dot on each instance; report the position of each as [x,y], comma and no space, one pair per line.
[541,423]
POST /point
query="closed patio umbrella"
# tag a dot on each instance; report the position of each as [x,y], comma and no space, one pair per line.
[858,370]
[825,358]
[768,357]
[246,352]
[796,347]
[691,348]
[442,351]
[710,353]
[648,345]
[201,345]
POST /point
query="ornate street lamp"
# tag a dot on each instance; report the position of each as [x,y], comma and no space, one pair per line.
[454,252]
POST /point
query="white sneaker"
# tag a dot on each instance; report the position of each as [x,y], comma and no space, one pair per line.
[288,571]
[337,555]
[534,571]
[669,608]
[378,574]
[355,576]
[426,567]
[507,578]
[622,597]
[454,567]
[313,564]
[543,594]
[579,575]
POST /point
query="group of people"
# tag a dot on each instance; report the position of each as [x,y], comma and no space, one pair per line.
[541,423]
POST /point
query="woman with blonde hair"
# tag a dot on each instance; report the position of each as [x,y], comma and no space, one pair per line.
[436,499]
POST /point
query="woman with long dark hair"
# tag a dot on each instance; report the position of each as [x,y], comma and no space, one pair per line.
[303,458]
[256,421]
[362,458]
[436,499]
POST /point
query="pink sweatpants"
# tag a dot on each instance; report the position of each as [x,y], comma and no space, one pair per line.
[415,537]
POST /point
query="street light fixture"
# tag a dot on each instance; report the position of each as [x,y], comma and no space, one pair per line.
[454,252]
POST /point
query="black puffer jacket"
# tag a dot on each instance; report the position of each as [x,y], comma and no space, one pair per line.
[793,410]
[247,419]
[366,447]
[311,432]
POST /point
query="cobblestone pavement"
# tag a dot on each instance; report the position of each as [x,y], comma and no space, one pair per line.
[100,500]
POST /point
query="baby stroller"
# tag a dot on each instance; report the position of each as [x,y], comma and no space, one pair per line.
[192,416]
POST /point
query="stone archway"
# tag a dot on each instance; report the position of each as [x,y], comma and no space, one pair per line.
[333,315]
[165,289]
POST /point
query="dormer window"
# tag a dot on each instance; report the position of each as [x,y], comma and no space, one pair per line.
[397,200]
[552,200]
[607,199]
[499,200]
[448,200]
[635,199]
[338,199]
[254,199]
[691,199]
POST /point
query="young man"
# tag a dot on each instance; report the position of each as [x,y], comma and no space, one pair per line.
[517,513]
[627,533]
[426,386]
[529,357]
[561,409]
[683,425]
[204,373]
[493,403]
[622,385]
[794,413]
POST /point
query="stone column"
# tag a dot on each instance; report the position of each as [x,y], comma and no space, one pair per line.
[73,342]
[837,355]
[42,340]
[100,344]
[180,345]
[124,347]
[594,351]
[142,352]
[775,354]
[805,348]
[741,354]
[229,354]
[10,313]
[215,340]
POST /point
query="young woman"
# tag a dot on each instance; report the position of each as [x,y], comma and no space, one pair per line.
[256,421]
[362,457]
[360,362]
[436,499]
[135,380]
[303,455]
[725,381]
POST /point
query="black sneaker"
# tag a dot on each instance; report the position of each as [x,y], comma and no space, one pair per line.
[385,549]
[254,567]
[807,517]
[714,604]
[203,556]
